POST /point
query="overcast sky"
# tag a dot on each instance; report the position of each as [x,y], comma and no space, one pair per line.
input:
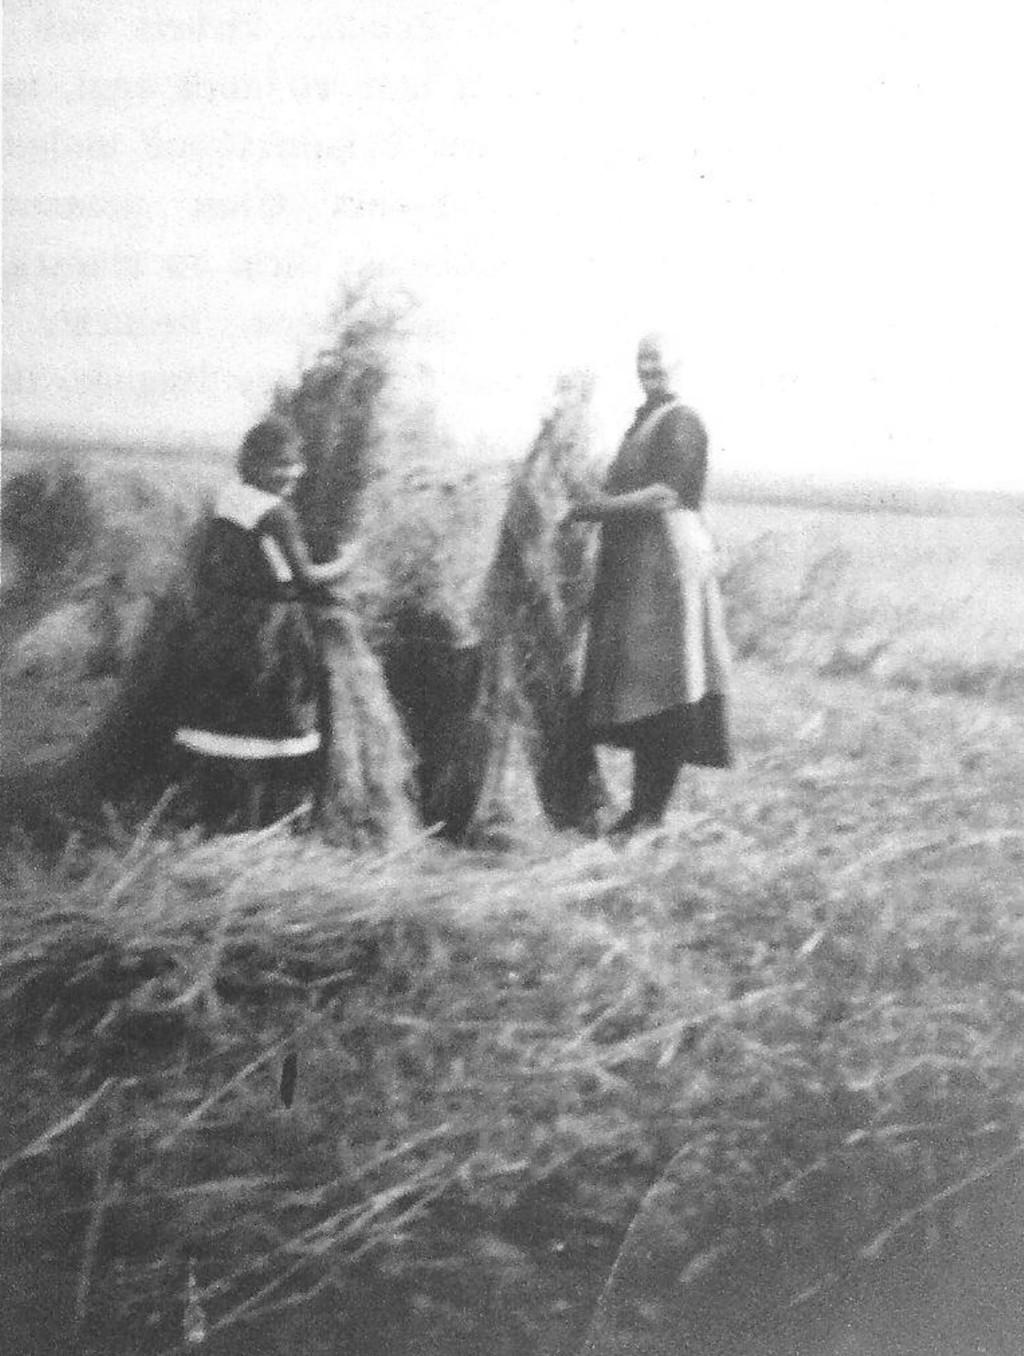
[823,200]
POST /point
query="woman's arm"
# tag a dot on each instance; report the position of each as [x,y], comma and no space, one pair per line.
[599,507]
[283,525]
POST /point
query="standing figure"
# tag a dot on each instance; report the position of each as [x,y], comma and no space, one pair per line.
[250,715]
[657,666]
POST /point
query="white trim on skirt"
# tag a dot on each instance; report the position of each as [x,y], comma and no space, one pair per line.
[246,746]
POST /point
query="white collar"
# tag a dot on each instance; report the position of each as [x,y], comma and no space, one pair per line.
[244,504]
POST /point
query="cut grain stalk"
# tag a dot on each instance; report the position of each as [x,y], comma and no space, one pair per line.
[533,610]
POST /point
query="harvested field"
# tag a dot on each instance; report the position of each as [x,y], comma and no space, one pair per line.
[774,1050]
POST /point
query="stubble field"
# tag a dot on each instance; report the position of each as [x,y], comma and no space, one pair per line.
[752,1084]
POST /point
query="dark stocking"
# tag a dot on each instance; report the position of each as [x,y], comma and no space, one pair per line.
[648,778]
[655,769]
[662,781]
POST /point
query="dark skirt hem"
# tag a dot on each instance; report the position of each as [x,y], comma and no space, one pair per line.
[697,733]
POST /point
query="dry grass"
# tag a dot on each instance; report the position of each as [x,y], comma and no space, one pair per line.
[794,1018]
[804,998]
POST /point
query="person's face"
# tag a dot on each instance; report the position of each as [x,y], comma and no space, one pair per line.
[653,371]
[283,474]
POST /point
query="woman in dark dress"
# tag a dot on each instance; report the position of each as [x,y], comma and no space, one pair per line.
[657,668]
[249,716]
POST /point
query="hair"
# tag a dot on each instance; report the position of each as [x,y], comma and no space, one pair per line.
[264,444]
[665,344]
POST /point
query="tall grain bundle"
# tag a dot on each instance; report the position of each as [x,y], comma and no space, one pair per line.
[366,775]
[533,609]
[537,593]
[365,791]
[334,407]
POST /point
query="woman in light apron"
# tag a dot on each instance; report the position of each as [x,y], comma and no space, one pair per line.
[657,669]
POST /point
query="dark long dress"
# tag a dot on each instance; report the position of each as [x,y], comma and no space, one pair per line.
[657,655]
[251,675]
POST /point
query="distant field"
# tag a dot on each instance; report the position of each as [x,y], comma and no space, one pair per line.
[928,601]
[177,466]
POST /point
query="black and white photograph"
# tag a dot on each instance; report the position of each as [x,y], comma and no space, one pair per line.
[512,679]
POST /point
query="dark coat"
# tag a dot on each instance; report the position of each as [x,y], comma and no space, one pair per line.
[252,671]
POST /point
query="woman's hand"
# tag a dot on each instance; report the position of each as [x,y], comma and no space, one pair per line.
[657,498]
[346,558]
[577,514]
[601,507]
[283,526]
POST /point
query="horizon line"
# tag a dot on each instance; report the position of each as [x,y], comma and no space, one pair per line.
[57,438]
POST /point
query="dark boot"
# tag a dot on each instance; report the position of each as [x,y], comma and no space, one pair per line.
[640,815]
[625,825]
[664,775]
[655,772]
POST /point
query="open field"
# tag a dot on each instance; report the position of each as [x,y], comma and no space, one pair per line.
[799,1008]
[926,602]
